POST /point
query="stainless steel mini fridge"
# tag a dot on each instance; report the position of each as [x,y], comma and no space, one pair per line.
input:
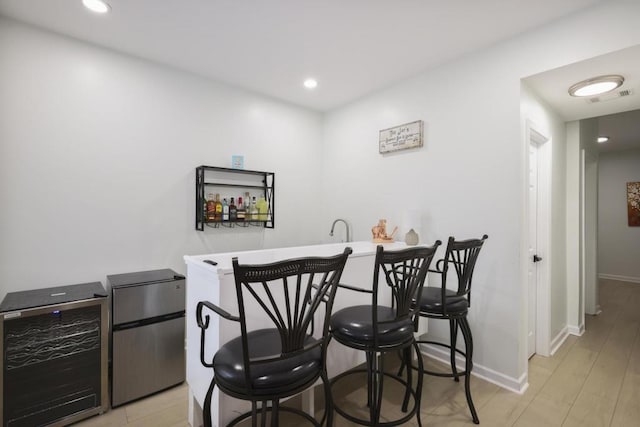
[148,333]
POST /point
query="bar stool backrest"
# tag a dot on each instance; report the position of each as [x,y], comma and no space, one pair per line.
[287,295]
[404,271]
[461,255]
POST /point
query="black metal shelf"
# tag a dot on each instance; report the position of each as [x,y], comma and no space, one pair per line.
[233,224]
[257,187]
[213,176]
[233,171]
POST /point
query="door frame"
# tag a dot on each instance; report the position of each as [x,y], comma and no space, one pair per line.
[543,295]
[588,241]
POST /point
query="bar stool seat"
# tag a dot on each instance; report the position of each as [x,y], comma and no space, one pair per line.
[431,301]
[271,376]
[353,325]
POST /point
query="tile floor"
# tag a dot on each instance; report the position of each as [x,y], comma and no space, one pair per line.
[592,380]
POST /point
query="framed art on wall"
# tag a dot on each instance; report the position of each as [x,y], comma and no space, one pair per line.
[633,203]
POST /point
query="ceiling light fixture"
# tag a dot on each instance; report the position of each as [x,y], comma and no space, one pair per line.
[310,83]
[97,6]
[596,86]
[602,139]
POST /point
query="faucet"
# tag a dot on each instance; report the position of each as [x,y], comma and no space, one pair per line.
[346,226]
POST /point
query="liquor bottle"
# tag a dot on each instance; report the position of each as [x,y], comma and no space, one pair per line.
[247,205]
[210,208]
[205,217]
[225,210]
[233,210]
[218,216]
[261,204]
[242,213]
[254,209]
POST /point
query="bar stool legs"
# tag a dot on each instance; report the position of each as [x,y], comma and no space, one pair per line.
[468,366]
[453,332]
[454,323]
[375,389]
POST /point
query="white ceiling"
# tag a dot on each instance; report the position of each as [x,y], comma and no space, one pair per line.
[553,85]
[352,47]
[623,130]
[618,117]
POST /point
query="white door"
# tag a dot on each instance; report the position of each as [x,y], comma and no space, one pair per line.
[533,246]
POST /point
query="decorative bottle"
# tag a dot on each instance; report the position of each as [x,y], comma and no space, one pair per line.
[411,238]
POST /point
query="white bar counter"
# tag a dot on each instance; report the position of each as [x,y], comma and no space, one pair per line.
[217,284]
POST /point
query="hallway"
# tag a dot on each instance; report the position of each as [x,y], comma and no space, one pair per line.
[593,380]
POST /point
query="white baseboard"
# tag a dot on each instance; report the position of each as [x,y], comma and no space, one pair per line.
[558,340]
[620,278]
[516,385]
[576,330]
[597,312]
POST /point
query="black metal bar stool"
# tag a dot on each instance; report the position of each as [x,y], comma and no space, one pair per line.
[453,305]
[378,329]
[283,358]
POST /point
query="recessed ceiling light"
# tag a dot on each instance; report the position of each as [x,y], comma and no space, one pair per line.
[602,139]
[97,6]
[596,86]
[310,83]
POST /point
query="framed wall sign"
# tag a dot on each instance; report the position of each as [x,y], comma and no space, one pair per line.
[237,162]
[408,135]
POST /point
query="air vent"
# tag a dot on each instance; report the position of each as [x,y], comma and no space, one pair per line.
[609,96]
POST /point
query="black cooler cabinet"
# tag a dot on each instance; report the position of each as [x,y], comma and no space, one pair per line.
[54,355]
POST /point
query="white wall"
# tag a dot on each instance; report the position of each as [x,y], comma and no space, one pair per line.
[464,181]
[618,244]
[468,178]
[97,159]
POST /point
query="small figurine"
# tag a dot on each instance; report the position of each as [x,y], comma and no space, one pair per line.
[380,232]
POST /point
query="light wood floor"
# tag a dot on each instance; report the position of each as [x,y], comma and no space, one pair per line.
[592,380]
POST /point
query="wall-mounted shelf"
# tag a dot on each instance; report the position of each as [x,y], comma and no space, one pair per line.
[233,183]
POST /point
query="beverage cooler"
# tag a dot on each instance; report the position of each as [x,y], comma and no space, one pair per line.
[54,355]
[148,333]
